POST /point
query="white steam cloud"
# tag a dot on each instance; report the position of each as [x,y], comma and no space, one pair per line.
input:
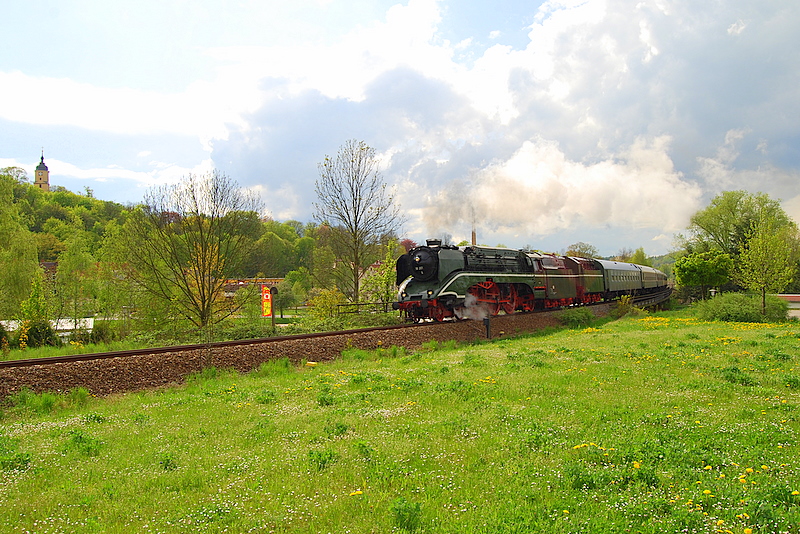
[539,191]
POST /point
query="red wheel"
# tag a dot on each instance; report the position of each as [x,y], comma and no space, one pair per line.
[509,302]
[487,296]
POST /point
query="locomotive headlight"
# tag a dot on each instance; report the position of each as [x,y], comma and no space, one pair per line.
[430,292]
[402,294]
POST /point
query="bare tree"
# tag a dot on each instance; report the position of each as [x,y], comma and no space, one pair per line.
[353,198]
[582,250]
[186,240]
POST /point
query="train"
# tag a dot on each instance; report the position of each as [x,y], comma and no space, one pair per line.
[444,282]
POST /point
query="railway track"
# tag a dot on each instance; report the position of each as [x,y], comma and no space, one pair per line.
[104,373]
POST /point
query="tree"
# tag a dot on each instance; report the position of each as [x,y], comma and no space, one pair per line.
[767,264]
[728,220]
[18,174]
[408,244]
[75,280]
[353,198]
[35,330]
[18,257]
[186,240]
[582,250]
[285,297]
[640,258]
[703,269]
[379,282]
[624,254]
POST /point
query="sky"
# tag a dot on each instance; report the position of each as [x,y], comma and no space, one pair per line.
[541,124]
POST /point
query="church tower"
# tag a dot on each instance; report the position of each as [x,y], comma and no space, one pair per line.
[42,179]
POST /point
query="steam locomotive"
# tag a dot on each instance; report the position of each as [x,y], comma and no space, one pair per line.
[440,282]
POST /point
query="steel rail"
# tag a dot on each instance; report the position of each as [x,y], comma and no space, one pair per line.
[180,348]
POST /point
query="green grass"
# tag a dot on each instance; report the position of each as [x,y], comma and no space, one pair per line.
[651,424]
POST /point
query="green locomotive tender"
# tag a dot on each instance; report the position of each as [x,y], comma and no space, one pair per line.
[439,282]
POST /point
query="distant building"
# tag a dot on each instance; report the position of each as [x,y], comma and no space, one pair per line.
[42,179]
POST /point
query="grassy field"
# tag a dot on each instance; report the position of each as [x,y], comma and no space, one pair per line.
[648,424]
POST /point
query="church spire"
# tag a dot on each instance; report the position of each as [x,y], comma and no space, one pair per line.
[42,179]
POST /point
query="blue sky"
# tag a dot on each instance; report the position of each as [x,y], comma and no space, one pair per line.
[543,123]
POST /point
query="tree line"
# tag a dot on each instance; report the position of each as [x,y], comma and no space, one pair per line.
[167,262]
[170,259]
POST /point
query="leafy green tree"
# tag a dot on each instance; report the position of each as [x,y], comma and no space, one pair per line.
[36,308]
[186,240]
[324,305]
[379,283]
[726,223]
[640,258]
[767,263]
[75,282]
[285,298]
[18,257]
[703,269]
[353,199]
[17,174]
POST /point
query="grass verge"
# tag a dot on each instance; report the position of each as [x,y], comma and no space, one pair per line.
[652,424]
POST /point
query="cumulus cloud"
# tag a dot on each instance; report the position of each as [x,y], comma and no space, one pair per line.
[611,114]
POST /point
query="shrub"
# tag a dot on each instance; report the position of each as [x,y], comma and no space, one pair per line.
[739,307]
[625,307]
[102,332]
[577,317]
[41,334]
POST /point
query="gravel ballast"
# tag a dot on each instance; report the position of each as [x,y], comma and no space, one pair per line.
[121,374]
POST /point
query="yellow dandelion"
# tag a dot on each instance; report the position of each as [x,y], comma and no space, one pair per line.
[636,465]
[357,492]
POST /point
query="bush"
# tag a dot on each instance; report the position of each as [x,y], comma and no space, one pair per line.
[103,332]
[577,317]
[739,307]
[41,334]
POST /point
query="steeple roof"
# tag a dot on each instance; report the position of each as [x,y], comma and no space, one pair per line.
[41,166]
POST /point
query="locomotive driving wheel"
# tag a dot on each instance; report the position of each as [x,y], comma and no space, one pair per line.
[487,295]
[508,300]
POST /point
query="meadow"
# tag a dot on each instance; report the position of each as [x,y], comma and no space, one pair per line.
[656,423]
